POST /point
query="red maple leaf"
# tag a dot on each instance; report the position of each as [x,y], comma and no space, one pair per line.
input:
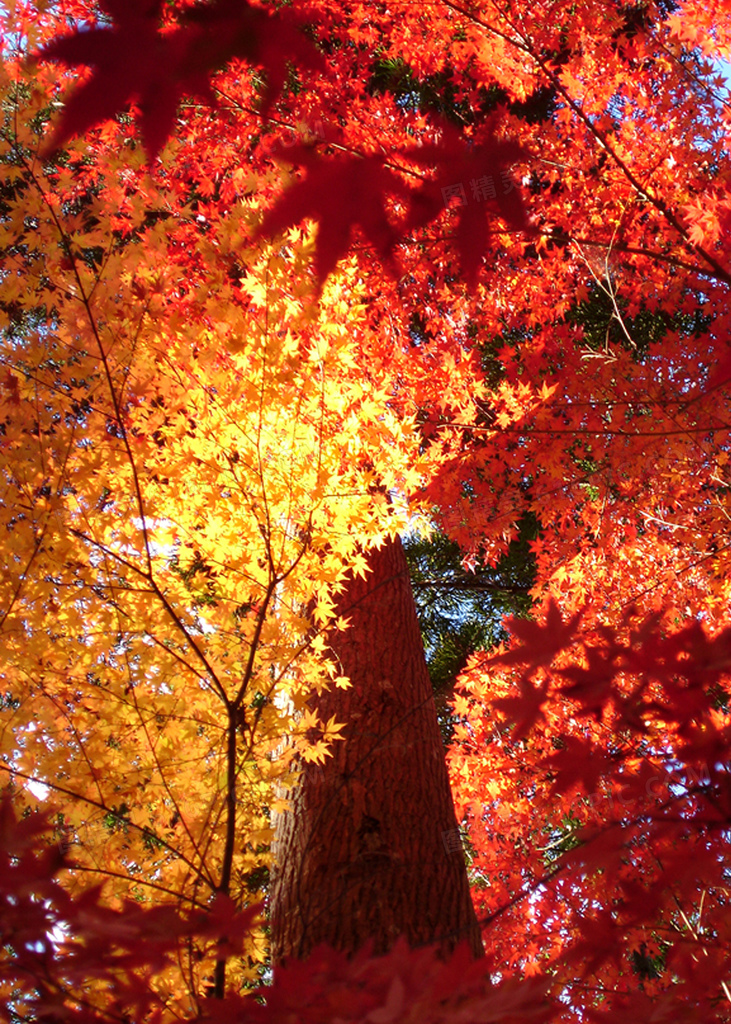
[539,642]
[526,710]
[340,194]
[234,28]
[477,180]
[135,60]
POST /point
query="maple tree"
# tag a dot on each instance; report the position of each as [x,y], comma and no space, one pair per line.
[368,268]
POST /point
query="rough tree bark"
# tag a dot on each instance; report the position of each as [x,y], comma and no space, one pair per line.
[370,847]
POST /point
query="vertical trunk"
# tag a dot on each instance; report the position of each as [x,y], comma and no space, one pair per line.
[370,847]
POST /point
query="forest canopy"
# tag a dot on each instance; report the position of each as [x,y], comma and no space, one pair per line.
[279,285]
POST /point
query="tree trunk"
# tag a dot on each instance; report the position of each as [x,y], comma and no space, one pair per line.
[370,847]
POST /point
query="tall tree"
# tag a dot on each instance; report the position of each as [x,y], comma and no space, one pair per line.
[370,848]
